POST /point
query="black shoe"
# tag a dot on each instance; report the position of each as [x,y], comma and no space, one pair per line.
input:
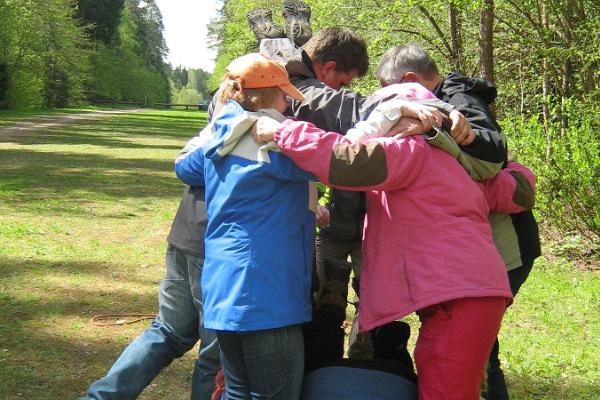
[390,342]
[261,23]
[297,21]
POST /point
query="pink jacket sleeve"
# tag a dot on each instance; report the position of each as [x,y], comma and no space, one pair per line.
[512,190]
[379,164]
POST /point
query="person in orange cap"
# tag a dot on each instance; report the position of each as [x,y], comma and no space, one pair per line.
[258,244]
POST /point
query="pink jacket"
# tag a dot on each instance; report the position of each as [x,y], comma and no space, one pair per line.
[426,238]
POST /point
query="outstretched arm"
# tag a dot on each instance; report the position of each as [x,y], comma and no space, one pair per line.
[349,162]
[380,164]
[189,164]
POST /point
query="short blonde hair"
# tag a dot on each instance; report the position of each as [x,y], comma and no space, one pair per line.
[249,99]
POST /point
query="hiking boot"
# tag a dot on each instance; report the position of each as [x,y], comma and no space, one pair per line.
[262,25]
[334,294]
[297,21]
[360,345]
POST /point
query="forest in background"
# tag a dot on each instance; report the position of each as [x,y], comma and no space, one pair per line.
[543,56]
[58,53]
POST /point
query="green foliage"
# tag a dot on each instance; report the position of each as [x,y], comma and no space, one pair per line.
[198,80]
[120,74]
[568,188]
[189,86]
[42,38]
[554,43]
[3,85]
[18,43]
[186,95]
[65,57]
[179,77]
[147,20]
[47,59]
[125,72]
[25,90]
[101,18]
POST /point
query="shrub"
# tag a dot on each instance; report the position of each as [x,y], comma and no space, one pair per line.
[567,167]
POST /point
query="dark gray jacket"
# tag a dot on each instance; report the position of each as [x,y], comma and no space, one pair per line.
[189,224]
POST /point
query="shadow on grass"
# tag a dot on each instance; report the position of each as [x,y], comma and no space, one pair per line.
[66,180]
[13,268]
[83,137]
[48,347]
[153,129]
[50,367]
[74,179]
[105,131]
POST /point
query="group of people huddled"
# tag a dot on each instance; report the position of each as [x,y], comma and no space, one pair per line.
[423,209]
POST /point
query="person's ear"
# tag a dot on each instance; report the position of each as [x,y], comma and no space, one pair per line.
[329,66]
[324,70]
[411,77]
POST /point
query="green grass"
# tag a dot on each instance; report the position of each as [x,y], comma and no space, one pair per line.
[551,334]
[84,213]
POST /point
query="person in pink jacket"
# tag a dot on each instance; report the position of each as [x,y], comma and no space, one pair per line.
[427,242]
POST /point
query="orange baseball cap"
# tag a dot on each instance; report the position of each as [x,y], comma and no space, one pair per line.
[255,71]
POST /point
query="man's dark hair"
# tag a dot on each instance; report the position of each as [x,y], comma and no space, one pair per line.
[399,60]
[342,45]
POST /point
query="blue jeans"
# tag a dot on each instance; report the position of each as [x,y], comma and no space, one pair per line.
[263,365]
[172,333]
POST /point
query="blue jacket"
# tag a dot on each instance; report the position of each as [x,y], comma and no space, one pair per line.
[260,232]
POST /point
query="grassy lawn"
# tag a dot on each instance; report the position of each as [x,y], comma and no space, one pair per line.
[84,212]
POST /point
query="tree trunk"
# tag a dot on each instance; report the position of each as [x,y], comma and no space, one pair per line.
[3,85]
[455,39]
[546,88]
[486,44]
[567,69]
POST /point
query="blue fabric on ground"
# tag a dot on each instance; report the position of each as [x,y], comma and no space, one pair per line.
[335,383]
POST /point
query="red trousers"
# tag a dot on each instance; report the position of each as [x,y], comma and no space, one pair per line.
[454,343]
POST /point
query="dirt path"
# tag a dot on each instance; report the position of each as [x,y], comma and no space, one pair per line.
[50,121]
